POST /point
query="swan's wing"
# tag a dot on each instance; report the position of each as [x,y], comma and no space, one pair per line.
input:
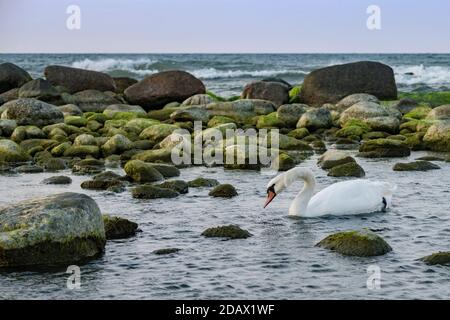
[351,197]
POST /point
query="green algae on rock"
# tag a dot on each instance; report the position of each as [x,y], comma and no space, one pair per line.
[223,191]
[384,148]
[118,228]
[179,186]
[350,169]
[152,192]
[441,258]
[419,165]
[203,182]
[230,232]
[166,251]
[141,171]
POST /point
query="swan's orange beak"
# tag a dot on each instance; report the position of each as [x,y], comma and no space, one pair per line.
[270,196]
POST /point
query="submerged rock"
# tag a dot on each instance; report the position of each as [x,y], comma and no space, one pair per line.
[442,258]
[166,251]
[230,232]
[420,165]
[102,184]
[223,191]
[57,180]
[57,229]
[362,243]
[203,182]
[333,158]
[119,228]
[351,169]
[152,192]
[179,186]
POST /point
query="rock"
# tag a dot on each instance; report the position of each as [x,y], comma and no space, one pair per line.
[179,186]
[278,80]
[116,111]
[406,105]
[140,171]
[198,99]
[363,243]
[384,148]
[192,113]
[57,180]
[229,232]
[352,99]
[167,170]
[122,83]
[437,137]
[441,258]
[88,166]
[54,164]
[430,158]
[158,89]
[241,110]
[117,144]
[118,228]
[58,229]
[157,155]
[39,89]
[27,132]
[90,100]
[203,182]
[418,113]
[283,162]
[269,121]
[276,92]
[166,251]
[223,191]
[315,119]
[85,140]
[11,76]
[107,175]
[101,184]
[351,169]
[219,120]
[333,158]
[75,80]
[420,165]
[11,152]
[32,112]
[7,127]
[29,169]
[82,151]
[158,132]
[333,83]
[59,150]
[299,133]
[439,113]
[291,113]
[152,192]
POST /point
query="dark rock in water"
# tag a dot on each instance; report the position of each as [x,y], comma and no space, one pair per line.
[88,166]
[179,186]
[75,80]
[101,184]
[54,164]
[333,158]
[107,175]
[351,169]
[161,88]
[167,170]
[141,171]
[223,191]
[57,180]
[166,251]
[58,229]
[230,232]
[119,228]
[384,148]
[39,89]
[123,82]
[279,80]
[275,92]
[152,192]
[29,169]
[283,162]
[441,258]
[430,158]
[203,182]
[32,112]
[333,83]
[420,165]
[11,76]
[363,243]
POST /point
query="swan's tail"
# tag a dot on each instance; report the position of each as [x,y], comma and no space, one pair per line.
[388,192]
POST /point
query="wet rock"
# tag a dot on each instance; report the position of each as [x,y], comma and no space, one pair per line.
[157,155]
[361,243]
[315,119]
[91,100]
[299,133]
[122,83]
[191,113]
[158,132]
[82,151]
[269,121]
[58,229]
[117,111]
[57,180]
[166,251]
[351,169]
[179,186]
[29,168]
[117,144]
[418,113]
[11,152]
[198,99]
[203,182]
[291,113]
[283,162]
[152,192]
[70,110]
[352,99]
[27,132]
[85,140]
[333,83]
[76,121]
[39,89]
[59,150]
[12,76]
[75,80]
[167,170]
[7,127]
[141,171]
[223,191]
[384,148]
[420,165]
[158,89]
[118,228]
[107,175]
[229,232]
[439,258]
[101,184]
[54,164]
[333,158]
[32,112]
[276,92]
[430,158]
[88,166]
[241,110]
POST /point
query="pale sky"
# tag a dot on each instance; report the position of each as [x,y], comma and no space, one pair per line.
[224,26]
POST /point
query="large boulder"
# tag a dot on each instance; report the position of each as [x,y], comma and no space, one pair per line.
[90,100]
[276,92]
[58,229]
[241,110]
[122,83]
[11,76]
[39,89]
[31,111]
[291,113]
[315,119]
[333,83]
[75,80]
[161,88]
[437,137]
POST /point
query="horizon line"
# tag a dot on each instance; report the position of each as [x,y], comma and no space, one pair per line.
[230,53]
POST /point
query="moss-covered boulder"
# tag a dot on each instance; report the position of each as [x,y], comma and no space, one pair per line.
[118,228]
[229,232]
[351,169]
[12,152]
[54,164]
[152,192]
[418,113]
[384,148]
[59,150]
[141,171]
[437,137]
[155,155]
[333,158]
[77,121]
[223,191]
[100,184]
[58,229]
[269,121]
[283,162]
[314,119]
[57,180]
[158,132]
[203,182]
[218,120]
[117,144]
[179,186]
[441,258]
[299,133]
[361,243]
[82,151]
[420,165]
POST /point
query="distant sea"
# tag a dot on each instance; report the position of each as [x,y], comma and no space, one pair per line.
[226,74]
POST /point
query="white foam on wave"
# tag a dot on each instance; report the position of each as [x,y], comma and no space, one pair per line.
[212,73]
[141,66]
[420,74]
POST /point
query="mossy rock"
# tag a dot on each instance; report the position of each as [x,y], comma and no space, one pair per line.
[76,121]
[229,232]
[269,121]
[283,162]
[54,164]
[203,182]
[152,192]
[99,117]
[59,150]
[82,151]
[218,120]
[141,171]
[415,141]
[351,169]
[223,191]
[299,133]
[384,148]
[155,155]
[362,243]
[57,180]
[441,258]
[418,113]
[101,184]
[118,228]
[29,168]
[432,99]
[179,186]
[162,114]
[375,135]
[167,170]
[11,152]
[420,165]
[294,94]
[88,166]
[333,158]
[215,96]
[166,251]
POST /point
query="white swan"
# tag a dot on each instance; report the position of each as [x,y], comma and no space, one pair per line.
[343,198]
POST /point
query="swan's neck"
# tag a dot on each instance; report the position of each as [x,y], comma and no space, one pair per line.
[299,206]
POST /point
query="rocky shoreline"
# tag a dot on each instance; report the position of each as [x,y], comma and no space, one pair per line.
[87,121]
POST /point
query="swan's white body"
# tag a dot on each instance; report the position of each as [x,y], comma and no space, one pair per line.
[343,198]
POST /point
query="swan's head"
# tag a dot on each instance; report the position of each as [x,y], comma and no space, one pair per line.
[274,187]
